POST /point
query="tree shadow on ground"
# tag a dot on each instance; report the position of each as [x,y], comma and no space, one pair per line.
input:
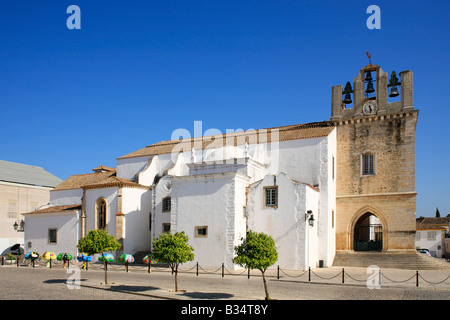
[53,281]
[131,288]
[208,295]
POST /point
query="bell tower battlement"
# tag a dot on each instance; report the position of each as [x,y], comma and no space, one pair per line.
[370,96]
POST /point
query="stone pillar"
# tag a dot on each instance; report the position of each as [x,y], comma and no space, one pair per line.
[336,102]
[358,93]
[407,89]
[120,230]
[120,222]
[381,91]
[83,216]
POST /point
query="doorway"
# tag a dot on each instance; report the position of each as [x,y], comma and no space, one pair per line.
[368,233]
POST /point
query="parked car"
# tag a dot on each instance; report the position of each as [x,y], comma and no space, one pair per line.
[424,251]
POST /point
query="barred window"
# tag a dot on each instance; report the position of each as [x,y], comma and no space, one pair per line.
[166,204]
[368,165]
[51,235]
[271,196]
[12,209]
[165,228]
[201,231]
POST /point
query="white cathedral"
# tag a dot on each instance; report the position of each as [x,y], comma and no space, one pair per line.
[280,181]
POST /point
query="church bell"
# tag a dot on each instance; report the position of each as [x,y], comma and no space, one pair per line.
[368,76]
[347,99]
[370,88]
[347,90]
[394,92]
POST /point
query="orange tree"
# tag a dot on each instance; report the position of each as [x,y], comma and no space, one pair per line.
[257,251]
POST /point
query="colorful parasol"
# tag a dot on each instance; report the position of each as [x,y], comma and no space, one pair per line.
[84,258]
[64,256]
[126,258]
[107,256]
[49,256]
[149,259]
[32,255]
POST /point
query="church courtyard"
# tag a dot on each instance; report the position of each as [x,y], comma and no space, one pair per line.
[27,283]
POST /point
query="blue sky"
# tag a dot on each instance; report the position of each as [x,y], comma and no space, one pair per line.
[137,70]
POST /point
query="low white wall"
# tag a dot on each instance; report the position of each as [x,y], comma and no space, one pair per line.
[36,232]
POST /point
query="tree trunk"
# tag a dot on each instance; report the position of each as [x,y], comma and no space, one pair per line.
[265,285]
[176,278]
[105,266]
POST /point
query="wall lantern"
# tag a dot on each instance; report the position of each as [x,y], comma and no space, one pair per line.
[309,217]
[19,225]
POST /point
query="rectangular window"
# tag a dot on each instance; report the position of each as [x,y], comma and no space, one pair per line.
[368,164]
[201,232]
[431,235]
[270,196]
[51,235]
[417,235]
[166,227]
[167,203]
[12,209]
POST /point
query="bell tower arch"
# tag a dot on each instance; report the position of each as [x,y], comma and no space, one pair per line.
[375,161]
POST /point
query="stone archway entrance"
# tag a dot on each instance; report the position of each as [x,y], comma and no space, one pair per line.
[368,233]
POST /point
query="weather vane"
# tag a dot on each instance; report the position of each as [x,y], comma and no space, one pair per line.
[369,55]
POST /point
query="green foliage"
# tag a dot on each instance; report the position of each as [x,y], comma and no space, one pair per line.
[98,241]
[173,248]
[10,256]
[438,214]
[257,251]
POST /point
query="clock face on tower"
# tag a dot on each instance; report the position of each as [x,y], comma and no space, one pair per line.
[370,107]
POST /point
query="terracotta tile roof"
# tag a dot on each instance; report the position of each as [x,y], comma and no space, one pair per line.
[291,132]
[80,180]
[113,181]
[101,168]
[432,223]
[56,209]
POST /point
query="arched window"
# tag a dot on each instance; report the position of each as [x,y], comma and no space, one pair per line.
[101,213]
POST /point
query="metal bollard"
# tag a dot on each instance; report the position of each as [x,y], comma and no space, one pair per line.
[223,269]
[417,279]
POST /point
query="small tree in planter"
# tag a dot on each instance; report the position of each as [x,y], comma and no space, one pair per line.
[174,250]
[257,251]
[98,241]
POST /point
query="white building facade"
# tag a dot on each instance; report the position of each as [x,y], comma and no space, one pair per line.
[280,181]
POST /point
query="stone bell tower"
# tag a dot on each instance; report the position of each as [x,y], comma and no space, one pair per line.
[375,162]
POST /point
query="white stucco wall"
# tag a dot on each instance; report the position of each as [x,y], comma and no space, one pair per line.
[128,167]
[215,201]
[136,205]
[66,197]
[36,232]
[92,195]
[295,240]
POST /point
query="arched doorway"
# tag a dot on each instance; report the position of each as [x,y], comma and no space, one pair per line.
[368,233]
